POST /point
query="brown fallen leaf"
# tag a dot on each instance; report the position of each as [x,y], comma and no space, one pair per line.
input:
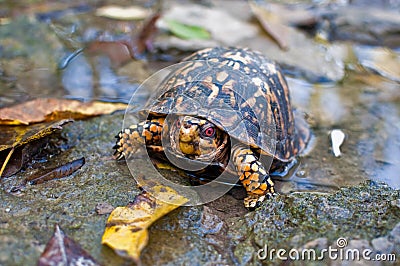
[58,172]
[126,229]
[272,25]
[20,143]
[49,109]
[144,40]
[62,250]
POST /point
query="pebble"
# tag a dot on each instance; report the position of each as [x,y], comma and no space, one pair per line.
[395,203]
[318,243]
[394,235]
[337,138]
[104,208]
[382,245]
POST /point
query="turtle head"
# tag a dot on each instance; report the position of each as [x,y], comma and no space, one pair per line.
[197,138]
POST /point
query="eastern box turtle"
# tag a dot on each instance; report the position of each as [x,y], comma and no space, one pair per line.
[226,107]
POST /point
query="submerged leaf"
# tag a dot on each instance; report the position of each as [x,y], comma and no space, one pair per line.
[123,13]
[124,51]
[126,229]
[49,109]
[272,25]
[185,31]
[62,250]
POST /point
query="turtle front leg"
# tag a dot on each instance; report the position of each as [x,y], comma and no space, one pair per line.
[132,138]
[253,176]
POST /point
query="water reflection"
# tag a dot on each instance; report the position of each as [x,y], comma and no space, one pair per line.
[93,77]
[77,78]
[381,143]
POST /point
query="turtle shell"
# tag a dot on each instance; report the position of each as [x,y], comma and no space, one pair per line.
[240,91]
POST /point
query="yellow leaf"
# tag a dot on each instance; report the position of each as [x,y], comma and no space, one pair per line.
[19,135]
[14,138]
[126,229]
[49,109]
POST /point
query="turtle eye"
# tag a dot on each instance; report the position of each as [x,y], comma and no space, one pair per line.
[209,132]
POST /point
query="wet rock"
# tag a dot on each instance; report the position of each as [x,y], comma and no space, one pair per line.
[383,61]
[318,243]
[297,239]
[29,60]
[305,57]
[245,253]
[104,208]
[394,235]
[382,245]
[353,254]
[322,217]
[396,203]
[210,222]
[367,25]
[230,32]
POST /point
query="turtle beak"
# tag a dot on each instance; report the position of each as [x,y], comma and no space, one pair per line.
[188,138]
[187,133]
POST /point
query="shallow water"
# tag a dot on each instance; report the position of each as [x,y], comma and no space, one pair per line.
[364,104]
[336,85]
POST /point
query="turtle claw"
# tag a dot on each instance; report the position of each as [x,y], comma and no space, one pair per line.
[253,201]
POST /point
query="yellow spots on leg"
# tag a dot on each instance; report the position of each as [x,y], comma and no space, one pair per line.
[246,182]
[254,177]
[135,135]
[263,187]
[246,168]
[253,186]
[250,158]
[254,167]
[259,191]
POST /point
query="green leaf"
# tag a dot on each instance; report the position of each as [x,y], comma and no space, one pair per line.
[185,31]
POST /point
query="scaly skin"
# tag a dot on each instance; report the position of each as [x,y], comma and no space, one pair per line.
[253,175]
[131,139]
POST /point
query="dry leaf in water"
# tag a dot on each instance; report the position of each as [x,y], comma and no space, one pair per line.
[126,230]
[62,250]
[49,109]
